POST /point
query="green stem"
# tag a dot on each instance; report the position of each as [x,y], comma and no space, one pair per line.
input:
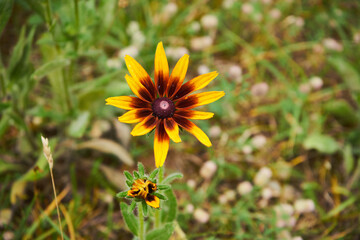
[77,22]
[141,222]
[157,212]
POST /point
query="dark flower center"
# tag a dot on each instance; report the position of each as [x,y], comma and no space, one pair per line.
[163,108]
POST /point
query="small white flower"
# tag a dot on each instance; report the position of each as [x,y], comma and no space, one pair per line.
[247,8]
[275,13]
[288,192]
[275,188]
[170,9]
[201,43]
[297,238]
[266,193]
[284,214]
[133,27]
[113,63]
[202,69]
[304,205]
[209,22]
[195,26]
[222,199]
[235,73]
[244,188]
[356,37]
[201,215]
[215,131]
[259,89]
[258,141]
[267,1]
[208,169]
[132,51]
[332,44]
[138,39]
[228,4]
[230,195]
[176,52]
[316,82]
[189,208]
[263,176]
[191,183]
[247,149]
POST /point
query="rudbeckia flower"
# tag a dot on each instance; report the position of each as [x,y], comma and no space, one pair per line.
[167,104]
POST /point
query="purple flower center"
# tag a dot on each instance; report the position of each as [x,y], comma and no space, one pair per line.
[163,108]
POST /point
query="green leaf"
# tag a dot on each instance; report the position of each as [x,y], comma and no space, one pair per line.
[145,208]
[348,72]
[49,67]
[141,169]
[136,175]
[36,6]
[122,194]
[128,176]
[172,177]
[348,158]
[322,143]
[154,173]
[163,233]
[340,207]
[162,197]
[78,126]
[6,7]
[132,206]
[342,112]
[163,187]
[169,207]
[129,218]
[129,183]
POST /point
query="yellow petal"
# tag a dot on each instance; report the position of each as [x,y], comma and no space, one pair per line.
[193,129]
[195,84]
[138,89]
[198,115]
[134,116]
[161,73]
[161,145]
[199,99]
[140,75]
[178,75]
[172,129]
[126,102]
[145,126]
[152,201]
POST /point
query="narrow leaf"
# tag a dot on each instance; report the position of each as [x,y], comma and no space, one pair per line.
[163,187]
[49,67]
[128,176]
[172,177]
[163,233]
[6,7]
[141,169]
[129,218]
[121,194]
[154,173]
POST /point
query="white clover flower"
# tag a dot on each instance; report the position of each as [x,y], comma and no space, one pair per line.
[258,141]
[235,73]
[227,4]
[332,44]
[138,39]
[209,22]
[304,205]
[316,82]
[132,27]
[247,8]
[201,215]
[189,208]
[247,149]
[230,195]
[113,63]
[266,193]
[297,238]
[244,188]
[176,52]
[259,89]
[170,9]
[288,192]
[191,183]
[356,38]
[275,188]
[208,169]
[132,51]
[275,13]
[284,215]
[202,69]
[195,26]
[215,131]
[266,2]
[222,199]
[263,176]
[201,43]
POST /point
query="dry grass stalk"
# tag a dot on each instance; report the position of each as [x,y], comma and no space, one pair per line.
[48,156]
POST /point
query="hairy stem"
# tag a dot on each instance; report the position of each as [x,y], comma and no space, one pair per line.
[157,212]
[141,222]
